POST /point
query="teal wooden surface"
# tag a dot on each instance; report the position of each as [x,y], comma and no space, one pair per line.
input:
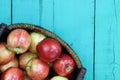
[107,57]
[47,14]
[74,25]
[75,22]
[26,11]
[5,11]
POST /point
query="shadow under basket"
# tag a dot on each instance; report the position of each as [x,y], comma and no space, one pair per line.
[79,70]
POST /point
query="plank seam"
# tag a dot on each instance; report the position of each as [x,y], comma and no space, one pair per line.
[94,40]
[11,11]
[41,11]
[53,16]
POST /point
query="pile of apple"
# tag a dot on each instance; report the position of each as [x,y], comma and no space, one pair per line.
[31,55]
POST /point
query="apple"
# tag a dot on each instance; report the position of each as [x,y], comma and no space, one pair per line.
[25,58]
[19,40]
[59,78]
[48,50]
[35,39]
[12,73]
[64,65]
[5,54]
[12,63]
[37,69]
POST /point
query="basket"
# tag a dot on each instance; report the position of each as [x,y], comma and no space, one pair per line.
[79,71]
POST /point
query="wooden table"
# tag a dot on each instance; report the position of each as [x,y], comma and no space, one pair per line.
[90,27]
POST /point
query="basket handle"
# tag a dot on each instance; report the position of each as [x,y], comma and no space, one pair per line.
[2,27]
[81,74]
[3,30]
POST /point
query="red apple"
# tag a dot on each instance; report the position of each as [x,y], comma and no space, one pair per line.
[25,58]
[35,39]
[64,65]
[12,63]
[19,40]
[48,50]
[37,69]
[5,54]
[59,78]
[12,73]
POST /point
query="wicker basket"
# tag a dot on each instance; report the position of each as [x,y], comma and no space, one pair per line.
[79,70]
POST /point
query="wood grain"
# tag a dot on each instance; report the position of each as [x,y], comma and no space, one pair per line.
[5,11]
[74,23]
[26,11]
[107,57]
[47,15]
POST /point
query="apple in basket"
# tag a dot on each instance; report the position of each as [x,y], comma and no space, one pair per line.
[36,37]
[25,58]
[48,49]
[37,69]
[64,65]
[59,78]
[12,73]
[12,63]
[5,54]
[19,40]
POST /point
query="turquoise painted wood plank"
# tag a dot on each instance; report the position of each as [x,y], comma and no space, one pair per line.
[5,11]
[37,12]
[47,14]
[73,22]
[107,57]
[26,11]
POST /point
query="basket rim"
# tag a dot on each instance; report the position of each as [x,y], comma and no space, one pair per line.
[50,34]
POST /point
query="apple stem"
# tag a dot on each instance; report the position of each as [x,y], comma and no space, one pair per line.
[68,67]
[18,49]
[50,64]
